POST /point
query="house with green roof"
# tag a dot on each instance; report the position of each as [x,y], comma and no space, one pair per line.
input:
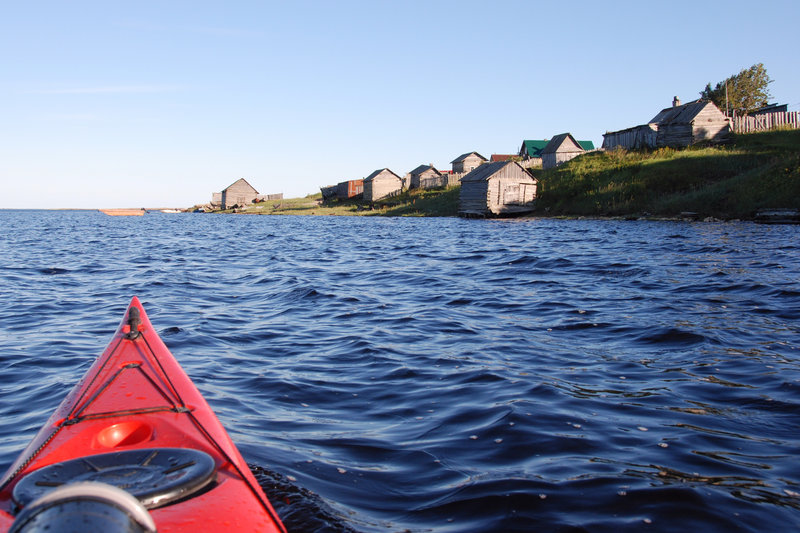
[531,151]
[532,148]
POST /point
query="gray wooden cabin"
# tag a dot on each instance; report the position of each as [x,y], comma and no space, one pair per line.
[382,183]
[467,162]
[500,188]
[560,149]
[687,124]
[678,126]
[238,193]
[426,177]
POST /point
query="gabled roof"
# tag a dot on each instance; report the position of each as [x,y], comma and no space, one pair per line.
[682,114]
[377,172]
[487,170]
[240,180]
[533,148]
[586,145]
[424,168]
[556,142]
[464,156]
[501,157]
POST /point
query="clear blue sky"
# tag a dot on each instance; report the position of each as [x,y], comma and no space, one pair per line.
[160,103]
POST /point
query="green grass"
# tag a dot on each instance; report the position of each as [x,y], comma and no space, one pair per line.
[754,171]
[427,203]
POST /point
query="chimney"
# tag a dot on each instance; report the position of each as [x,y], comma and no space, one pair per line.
[676,102]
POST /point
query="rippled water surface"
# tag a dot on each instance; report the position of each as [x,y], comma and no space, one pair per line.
[444,374]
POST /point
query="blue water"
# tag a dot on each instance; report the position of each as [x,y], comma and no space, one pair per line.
[444,374]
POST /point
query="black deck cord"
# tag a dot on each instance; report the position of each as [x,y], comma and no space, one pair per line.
[164,373]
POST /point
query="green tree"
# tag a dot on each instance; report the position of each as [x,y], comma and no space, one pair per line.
[746,91]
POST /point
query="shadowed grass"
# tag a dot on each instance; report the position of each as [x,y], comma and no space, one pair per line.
[755,171]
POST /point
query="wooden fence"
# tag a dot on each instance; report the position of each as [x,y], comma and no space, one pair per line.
[766,121]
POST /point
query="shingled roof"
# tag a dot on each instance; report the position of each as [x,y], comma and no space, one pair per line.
[557,141]
[682,114]
[487,170]
[424,168]
[375,174]
[464,156]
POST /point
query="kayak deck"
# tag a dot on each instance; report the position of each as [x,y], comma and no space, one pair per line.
[134,414]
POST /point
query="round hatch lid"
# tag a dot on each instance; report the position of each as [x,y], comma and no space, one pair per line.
[156,476]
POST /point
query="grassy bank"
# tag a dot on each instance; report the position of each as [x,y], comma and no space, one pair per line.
[432,203]
[755,171]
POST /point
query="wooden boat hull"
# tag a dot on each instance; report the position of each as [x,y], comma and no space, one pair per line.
[123,212]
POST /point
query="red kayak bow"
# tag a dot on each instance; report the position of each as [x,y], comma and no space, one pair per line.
[135,422]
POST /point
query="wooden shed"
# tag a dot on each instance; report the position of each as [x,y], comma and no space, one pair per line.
[634,138]
[349,189]
[499,188]
[561,149]
[467,162]
[687,124]
[677,126]
[382,183]
[238,193]
[426,177]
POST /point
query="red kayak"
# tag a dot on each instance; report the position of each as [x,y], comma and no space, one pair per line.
[133,447]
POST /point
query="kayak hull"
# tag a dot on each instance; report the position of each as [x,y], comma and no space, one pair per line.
[137,397]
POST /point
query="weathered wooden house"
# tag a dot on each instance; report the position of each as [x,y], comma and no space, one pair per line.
[238,193]
[678,126]
[562,148]
[498,188]
[382,183]
[349,189]
[426,177]
[467,162]
[687,124]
